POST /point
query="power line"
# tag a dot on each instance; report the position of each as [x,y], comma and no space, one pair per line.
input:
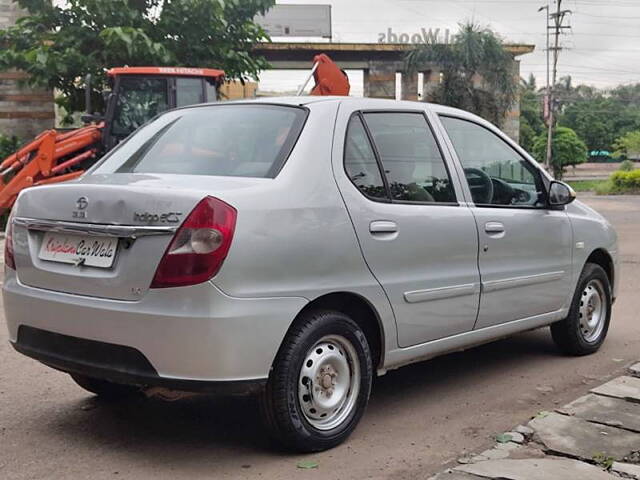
[558,18]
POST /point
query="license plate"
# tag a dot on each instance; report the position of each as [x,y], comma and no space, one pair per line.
[79,249]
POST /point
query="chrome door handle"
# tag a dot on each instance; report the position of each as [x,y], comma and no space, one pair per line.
[494,227]
[383,226]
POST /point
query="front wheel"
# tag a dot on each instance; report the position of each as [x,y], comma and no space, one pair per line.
[586,326]
[320,382]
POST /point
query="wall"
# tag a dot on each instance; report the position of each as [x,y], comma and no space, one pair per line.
[24,112]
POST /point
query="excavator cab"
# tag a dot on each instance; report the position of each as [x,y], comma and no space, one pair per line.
[140,93]
[137,95]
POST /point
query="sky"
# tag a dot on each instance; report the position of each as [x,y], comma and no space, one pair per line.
[602,48]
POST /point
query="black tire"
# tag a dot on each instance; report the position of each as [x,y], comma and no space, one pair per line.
[568,333]
[104,388]
[280,403]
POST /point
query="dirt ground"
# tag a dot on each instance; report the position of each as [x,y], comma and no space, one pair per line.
[420,418]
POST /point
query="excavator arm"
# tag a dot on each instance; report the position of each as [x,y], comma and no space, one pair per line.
[47,159]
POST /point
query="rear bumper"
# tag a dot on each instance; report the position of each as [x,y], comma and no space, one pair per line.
[189,338]
[115,363]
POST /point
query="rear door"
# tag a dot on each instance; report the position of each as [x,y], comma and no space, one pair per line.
[419,243]
[525,246]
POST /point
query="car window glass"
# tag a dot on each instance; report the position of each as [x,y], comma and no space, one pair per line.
[188,91]
[243,140]
[410,156]
[360,161]
[495,172]
[140,100]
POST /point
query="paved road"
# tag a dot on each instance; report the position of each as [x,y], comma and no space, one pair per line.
[420,417]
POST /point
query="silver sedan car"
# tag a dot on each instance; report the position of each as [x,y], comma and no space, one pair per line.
[296,247]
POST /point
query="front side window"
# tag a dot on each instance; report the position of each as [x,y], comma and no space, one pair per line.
[360,161]
[412,162]
[140,100]
[495,172]
[240,140]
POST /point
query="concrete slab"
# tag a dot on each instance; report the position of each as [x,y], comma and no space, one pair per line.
[629,470]
[611,411]
[622,387]
[536,469]
[451,475]
[581,439]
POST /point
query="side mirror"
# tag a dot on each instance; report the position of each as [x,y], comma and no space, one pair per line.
[560,194]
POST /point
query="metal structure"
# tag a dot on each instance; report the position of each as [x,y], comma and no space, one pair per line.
[138,94]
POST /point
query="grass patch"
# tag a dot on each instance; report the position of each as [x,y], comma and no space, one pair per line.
[587,185]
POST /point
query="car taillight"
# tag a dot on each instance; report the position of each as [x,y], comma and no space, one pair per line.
[9,261]
[199,247]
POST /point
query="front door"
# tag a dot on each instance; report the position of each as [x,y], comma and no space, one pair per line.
[525,246]
[418,242]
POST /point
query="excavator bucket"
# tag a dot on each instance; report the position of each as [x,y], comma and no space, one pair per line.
[330,79]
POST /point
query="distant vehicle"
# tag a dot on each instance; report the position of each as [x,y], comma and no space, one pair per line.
[296,247]
[603,156]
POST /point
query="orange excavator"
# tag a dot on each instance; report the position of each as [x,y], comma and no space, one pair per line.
[137,95]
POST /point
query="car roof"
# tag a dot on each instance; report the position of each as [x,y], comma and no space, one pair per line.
[358,102]
[354,103]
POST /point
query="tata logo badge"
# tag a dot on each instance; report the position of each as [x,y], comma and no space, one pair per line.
[81,205]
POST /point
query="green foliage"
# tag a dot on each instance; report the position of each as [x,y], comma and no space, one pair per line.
[58,43]
[531,124]
[604,460]
[627,166]
[586,185]
[628,145]
[598,117]
[567,149]
[8,145]
[625,182]
[477,72]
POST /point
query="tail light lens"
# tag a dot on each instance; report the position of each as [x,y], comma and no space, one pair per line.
[9,261]
[199,246]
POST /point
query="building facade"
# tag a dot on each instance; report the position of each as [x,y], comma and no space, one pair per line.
[383,67]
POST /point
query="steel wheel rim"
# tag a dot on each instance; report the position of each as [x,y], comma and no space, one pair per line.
[329,382]
[592,311]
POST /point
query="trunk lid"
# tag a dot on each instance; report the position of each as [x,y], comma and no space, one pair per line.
[136,213]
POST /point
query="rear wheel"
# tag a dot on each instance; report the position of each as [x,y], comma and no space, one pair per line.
[104,388]
[320,382]
[586,326]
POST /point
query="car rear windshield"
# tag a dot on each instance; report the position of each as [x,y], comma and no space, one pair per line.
[233,140]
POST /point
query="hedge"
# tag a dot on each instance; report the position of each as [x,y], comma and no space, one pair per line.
[625,182]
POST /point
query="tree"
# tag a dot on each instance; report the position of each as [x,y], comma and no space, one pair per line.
[531,124]
[568,149]
[592,120]
[628,145]
[478,73]
[58,43]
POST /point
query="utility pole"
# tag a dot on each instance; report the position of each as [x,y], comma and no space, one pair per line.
[558,19]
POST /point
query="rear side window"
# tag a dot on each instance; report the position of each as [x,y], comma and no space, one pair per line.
[223,140]
[360,161]
[411,158]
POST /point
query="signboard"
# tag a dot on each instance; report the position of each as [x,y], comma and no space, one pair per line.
[297,21]
[431,36]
